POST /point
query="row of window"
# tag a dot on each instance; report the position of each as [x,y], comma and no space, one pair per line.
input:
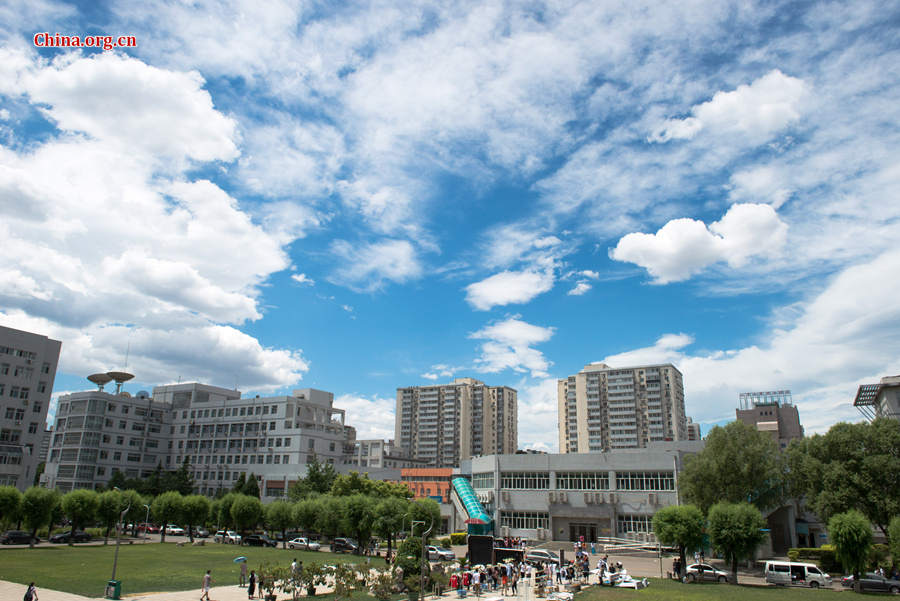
[634,523]
[525,519]
[637,481]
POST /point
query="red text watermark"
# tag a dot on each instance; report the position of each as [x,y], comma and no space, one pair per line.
[105,42]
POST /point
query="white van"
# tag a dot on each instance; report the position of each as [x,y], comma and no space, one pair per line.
[785,573]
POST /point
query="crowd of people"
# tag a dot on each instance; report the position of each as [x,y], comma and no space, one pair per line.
[510,542]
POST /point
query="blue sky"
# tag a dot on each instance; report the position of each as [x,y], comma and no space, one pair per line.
[362,196]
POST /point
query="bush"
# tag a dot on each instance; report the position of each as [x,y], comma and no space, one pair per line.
[99,532]
[458,538]
[879,556]
[445,542]
[823,556]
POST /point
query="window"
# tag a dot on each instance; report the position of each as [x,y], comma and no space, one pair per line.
[124,408]
[4,369]
[42,387]
[117,456]
[120,440]
[645,481]
[525,519]
[524,480]
[287,442]
[285,459]
[331,447]
[484,480]
[45,368]
[36,407]
[582,480]
[32,428]
[312,444]
[122,424]
[634,523]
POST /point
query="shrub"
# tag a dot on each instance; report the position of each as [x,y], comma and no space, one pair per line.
[879,556]
[823,556]
[458,538]
[445,542]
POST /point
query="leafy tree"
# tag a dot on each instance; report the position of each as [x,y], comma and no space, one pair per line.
[894,539]
[109,506]
[153,486]
[851,534]
[166,508]
[81,507]
[383,489]
[10,502]
[116,480]
[225,503]
[136,511]
[37,508]
[352,484]
[246,512]
[680,526]
[181,479]
[427,511]
[330,511]
[319,479]
[409,559]
[389,515]
[738,464]
[194,510]
[853,466]
[215,510]
[239,484]
[736,530]
[359,517]
[306,513]
[251,486]
[280,517]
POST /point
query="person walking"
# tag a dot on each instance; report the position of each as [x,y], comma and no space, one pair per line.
[243,574]
[204,586]
[251,584]
[31,593]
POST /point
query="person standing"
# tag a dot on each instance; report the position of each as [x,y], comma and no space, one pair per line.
[251,584]
[31,593]
[204,586]
[243,574]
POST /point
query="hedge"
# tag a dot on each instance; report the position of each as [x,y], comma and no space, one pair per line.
[823,556]
[458,538]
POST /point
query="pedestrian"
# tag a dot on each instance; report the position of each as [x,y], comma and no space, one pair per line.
[31,593]
[204,586]
[251,584]
[243,574]
[515,583]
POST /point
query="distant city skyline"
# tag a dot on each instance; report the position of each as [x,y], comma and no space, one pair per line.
[358,199]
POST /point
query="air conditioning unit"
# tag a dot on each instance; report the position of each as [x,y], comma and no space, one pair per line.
[552,496]
[652,498]
[505,496]
[588,498]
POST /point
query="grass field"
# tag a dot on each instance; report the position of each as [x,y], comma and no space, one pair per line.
[145,567]
[670,590]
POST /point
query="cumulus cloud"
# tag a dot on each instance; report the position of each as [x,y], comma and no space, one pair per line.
[683,247]
[508,287]
[754,112]
[538,415]
[842,337]
[303,279]
[509,346]
[441,370]
[372,416]
[368,267]
[580,288]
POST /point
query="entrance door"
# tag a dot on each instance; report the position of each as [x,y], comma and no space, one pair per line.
[578,530]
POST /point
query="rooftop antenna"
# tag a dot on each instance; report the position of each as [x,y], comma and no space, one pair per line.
[100,380]
[120,377]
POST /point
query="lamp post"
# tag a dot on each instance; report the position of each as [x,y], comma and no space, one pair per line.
[118,536]
[146,522]
[424,561]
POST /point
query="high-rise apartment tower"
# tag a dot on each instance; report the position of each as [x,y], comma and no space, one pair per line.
[603,407]
[447,423]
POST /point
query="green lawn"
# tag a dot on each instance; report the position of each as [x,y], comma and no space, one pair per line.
[84,570]
[670,590]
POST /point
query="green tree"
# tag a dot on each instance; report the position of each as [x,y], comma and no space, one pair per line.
[319,479]
[137,513]
[409,559]
[251,486]
[182,479]
[680,526]
[225,503]
[427,511]
[736,530]
[383,489]
[80,506]
[153,485]
[851,534]
[389,515]
[166,509]
[894,539]
[853,466]
[117,480]
[330,511]
[738,464]
[280,517]
[358,517]
[10,502]
[239,484]
[37,508]
[195,511]
[246,512]
[305,513]
[109,506]
[353,483]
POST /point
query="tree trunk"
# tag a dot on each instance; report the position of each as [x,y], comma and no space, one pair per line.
[106,534]
[682,553]
[734,563]
[33,535]
[191,532]
[72,532]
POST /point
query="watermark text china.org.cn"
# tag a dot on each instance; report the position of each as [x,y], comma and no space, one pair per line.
[105,42]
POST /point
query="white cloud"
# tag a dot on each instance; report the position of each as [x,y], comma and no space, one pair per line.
[373,417]
[838,339]
[683,247]
[303,279]
[538,415]
[508,287]
[347,308]
[509,346]
[753,113]
[582,287]
[441,370]
[4,115]
[369,266]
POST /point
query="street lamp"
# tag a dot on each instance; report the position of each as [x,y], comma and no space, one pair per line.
[118,536]
[412,526]
[146,521]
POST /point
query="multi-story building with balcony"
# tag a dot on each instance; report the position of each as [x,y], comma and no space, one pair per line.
[879,400]
[446,423]
[602,407]
[376,454]
[27,370]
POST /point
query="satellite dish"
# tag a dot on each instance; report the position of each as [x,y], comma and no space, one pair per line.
[120,377]
[100,380]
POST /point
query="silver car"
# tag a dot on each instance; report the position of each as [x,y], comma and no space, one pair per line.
[440,553]
[705,572]
[303,543]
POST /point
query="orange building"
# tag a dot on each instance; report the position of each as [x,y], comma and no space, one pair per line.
[428,481]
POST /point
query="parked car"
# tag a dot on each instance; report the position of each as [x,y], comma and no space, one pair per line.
[873,582]
[63,537]
[787,573]
[541,556]
[303,543]
[227,536]
[17,537]
[289,535]
[344,545]
[440,553]
[148,528]
[706,573]
[200,532]
[258,540]
[174,530]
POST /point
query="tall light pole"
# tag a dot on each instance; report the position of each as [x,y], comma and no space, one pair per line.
[146,522]
[424,560]
[118,536]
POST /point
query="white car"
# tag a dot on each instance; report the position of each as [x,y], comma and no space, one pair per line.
[174,529]
[303,543]
[227,536]
[440,553]
[541,556]
[710,574]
